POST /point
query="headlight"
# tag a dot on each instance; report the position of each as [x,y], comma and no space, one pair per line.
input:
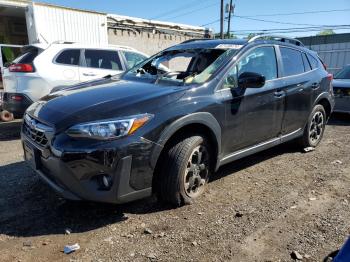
[109,129]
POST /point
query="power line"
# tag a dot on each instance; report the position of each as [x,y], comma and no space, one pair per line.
[270,21]
[301,13]
[286,14]
[292,28]
[175,10]
[193,11]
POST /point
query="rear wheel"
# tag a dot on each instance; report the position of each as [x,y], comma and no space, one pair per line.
[184,170]
[314,129]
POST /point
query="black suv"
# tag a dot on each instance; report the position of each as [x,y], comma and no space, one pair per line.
[165,125]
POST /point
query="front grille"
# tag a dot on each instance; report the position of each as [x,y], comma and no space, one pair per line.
[36,131]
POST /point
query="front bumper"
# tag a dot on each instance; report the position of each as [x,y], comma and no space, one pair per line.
[17,107]
[75,169]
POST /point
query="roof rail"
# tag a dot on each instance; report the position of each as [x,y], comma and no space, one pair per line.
[195,39]
[62,42]
[277,38]
[123,47]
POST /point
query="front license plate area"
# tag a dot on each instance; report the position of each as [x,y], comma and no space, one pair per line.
[32,155]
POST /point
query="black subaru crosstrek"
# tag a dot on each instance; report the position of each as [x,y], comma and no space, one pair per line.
[164,126]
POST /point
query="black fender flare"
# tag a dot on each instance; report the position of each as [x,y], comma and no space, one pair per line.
[328,97]
[203,118]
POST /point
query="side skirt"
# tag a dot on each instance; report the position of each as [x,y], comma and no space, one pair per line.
[259,147]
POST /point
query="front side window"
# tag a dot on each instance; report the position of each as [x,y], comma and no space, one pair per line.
[292,61]
[132,59]
[261,60]
[102,59]
[69,57]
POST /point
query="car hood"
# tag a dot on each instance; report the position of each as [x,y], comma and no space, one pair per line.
[109,100]
[342,83]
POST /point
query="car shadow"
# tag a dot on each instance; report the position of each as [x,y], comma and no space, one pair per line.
[10,130]
[240,164]
[28,207]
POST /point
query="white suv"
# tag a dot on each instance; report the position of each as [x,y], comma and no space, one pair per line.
[40,68]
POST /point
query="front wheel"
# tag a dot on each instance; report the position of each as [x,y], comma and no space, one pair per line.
[315,127]
[184,171]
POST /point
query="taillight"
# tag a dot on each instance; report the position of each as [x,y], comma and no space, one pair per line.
[24,68]
[16,98]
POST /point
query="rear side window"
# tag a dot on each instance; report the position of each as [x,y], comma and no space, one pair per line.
[102,59]
[292,61]
[133,59]
[27,57]
[313,61]
[306,63]
[69,57]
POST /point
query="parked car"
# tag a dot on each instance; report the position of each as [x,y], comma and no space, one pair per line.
[40,68]
[165,130]
[341,87]
[7,54]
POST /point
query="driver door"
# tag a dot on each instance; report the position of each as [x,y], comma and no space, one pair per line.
[257,112]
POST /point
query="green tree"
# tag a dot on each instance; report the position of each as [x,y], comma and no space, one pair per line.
[326,32]
[251,35]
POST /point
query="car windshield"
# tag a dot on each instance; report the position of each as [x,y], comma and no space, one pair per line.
[343,74]
[183,66]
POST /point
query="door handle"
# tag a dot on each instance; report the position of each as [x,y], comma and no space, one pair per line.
[315,85]
[89,74]
[279,94]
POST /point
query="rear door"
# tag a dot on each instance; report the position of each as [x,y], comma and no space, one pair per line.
[65,69]
[99,63]
[298,81]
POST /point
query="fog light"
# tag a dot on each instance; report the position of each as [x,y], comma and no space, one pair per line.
[105,181]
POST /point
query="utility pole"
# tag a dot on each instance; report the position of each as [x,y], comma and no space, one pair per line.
[230,10]
[222,19]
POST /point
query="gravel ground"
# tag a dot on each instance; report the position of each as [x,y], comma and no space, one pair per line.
[260,208]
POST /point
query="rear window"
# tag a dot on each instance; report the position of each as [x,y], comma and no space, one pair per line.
[9,54]
[102,59]
[27,56]
[69,57]
[313,61]
[306,63]
[133,59]
[292,61]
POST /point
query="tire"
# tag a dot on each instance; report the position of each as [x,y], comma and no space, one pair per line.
[183,173]
[314,129]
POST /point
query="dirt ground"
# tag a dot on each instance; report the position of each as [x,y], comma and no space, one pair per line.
[260,208]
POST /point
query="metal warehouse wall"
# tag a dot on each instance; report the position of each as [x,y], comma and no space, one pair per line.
[147,43]
[150,36]
[334,50]
[48,23]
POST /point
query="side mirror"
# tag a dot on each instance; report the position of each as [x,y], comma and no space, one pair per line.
[251,80]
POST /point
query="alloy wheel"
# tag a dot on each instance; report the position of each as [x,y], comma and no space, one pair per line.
[316,127]
[197,170]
